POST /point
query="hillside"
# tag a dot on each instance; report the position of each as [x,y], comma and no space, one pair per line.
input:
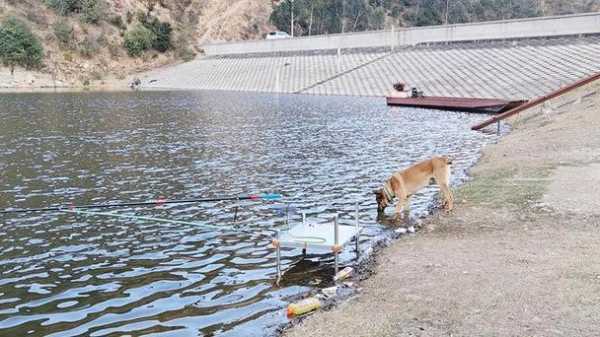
[313,17]
[86,44]
[78,42]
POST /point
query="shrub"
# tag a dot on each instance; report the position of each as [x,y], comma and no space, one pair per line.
[187,54]
[36,16]
[138,39]
[117,21]
[89,46]
[161,30]
[92,10]
[129,17]
[68,57]
[18,45]
[114,49]
[182,45]
[63,32]
[64,7]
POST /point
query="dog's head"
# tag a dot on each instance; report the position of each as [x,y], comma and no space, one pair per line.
[382,200]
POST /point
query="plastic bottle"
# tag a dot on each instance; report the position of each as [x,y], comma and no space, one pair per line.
[303,307]
[342,274]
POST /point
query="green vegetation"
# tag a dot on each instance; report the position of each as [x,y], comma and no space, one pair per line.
[64,33]
[148,33]
[182,43]
[117,21]
[91,10]
[334,16]
[138,39]
[507,187]
[187,55]
[64,7]
[89,46]
[18,45]
[160,30]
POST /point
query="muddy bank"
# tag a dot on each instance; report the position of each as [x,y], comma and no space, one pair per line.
[518,257]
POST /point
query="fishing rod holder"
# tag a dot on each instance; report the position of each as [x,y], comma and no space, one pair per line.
[329,237]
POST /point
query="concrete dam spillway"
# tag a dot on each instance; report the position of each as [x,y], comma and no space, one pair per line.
[513,59]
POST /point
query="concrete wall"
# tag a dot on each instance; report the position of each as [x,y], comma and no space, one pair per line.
[576,24]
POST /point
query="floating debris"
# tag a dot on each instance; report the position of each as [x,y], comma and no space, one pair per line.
[305,306]
[343,274]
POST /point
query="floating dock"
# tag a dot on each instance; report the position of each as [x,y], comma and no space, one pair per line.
[480,105]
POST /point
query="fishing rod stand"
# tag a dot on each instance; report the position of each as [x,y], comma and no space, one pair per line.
[320,237]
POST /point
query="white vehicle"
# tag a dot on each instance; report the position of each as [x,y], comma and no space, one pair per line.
[277,35]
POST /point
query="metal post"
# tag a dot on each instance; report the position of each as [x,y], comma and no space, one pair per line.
[304,226]
[498,128]
[292,19]
[278,253]
[357,236]
[392,40]
[336,240]
[287,215]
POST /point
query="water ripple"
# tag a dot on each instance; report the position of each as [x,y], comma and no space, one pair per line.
[81,275]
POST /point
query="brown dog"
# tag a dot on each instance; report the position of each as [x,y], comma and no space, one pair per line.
[404,184]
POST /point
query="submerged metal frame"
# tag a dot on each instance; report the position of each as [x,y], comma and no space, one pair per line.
[335,248]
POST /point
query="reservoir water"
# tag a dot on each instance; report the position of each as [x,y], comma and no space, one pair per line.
[86,275]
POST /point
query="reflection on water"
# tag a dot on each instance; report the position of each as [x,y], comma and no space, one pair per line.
[75,275]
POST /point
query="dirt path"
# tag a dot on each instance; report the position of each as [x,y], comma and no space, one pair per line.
[519,257]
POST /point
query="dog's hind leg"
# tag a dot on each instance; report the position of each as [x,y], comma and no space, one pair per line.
[443,180]
[448,197]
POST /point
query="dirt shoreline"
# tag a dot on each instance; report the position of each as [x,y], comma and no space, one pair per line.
[48,88]
[34,81]
[518,257]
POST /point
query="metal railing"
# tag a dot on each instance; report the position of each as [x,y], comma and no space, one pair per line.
[537,101]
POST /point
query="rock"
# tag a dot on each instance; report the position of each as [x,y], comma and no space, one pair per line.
[401,230]
[330,292]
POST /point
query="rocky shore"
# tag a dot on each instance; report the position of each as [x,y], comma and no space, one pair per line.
[518,257]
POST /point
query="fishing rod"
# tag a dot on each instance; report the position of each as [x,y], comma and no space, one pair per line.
[157,202]
[147,218]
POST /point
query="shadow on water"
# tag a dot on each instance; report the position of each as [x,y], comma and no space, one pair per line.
[76,275]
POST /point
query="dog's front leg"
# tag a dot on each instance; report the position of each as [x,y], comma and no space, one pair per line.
[402,201]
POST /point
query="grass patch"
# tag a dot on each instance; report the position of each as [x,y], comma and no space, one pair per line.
[516,188]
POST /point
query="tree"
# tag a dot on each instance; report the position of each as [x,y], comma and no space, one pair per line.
[138,39]
[18,45]
[334,16]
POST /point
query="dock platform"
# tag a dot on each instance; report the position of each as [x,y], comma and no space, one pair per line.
[480,105]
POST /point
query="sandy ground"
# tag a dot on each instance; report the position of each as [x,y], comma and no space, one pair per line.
[520,255]
[32,81]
